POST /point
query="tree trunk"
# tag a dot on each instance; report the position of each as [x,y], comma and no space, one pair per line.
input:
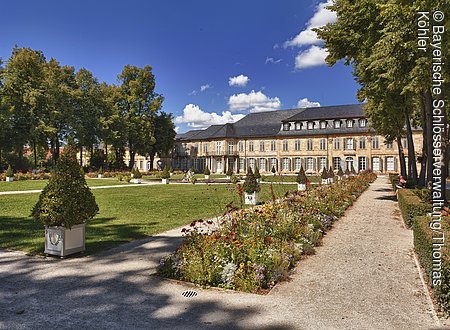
[423,163]
[35,155]
[81,156]
[428,102]
[412,166]
[401,156]
[152,158]
[131,163]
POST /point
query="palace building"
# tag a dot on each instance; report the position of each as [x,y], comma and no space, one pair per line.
[288,139]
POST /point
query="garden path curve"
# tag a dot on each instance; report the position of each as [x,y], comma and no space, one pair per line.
[363,277]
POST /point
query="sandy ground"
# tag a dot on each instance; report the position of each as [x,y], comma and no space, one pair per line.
[362,277]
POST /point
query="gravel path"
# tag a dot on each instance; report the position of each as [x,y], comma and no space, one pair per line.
[363,277]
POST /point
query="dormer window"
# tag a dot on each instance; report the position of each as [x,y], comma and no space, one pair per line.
[337,124]
[310,125]
[323,124]
[349,123]
[286,126]
[298,126]
[362,123]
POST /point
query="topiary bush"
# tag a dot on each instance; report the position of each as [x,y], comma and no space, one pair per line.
[256,174]
[324,174]
[423,245]
[274,170]
[229,171]
[207,171]
[165,173]
[330,173]
[340,172]
[66,200]
[411,206]
[9,172]
[301,176]
[137,174]
[250,185]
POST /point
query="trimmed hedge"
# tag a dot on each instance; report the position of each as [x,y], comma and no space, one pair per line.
[423,245]
[394,178]
[411,206]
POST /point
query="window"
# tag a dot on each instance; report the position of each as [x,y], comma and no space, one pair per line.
[390,164]
[273,145]
[261,146]
[242,164]
[323,124]
[297,145]
[337,124]
[310,125]
[286,126]
[376,164]
[231,146]
[362,123]
[309,164]
[205,148]
[349,144]
[322,144]
[349,123]
[252,163]
[262,164]
[362,142]
[388,145]
[323,163]
[298,126]
[273,163]
[309,144]
[375,142]
[196,147]
[286,164]
[241,146]
[219,148]
[297,164]
[337,143]
[336,163]
[405,143]
[251,146]
[349,163]
[285,145]
[362,163]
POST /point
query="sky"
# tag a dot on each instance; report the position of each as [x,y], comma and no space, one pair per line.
[214,61]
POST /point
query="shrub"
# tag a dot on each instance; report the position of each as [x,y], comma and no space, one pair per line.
[137,174]
[9,172]
[207,171]
[234,179]
[229,171]
[257,175]
[192,169]
[411,206]
[352,170]
[274,170]
[330,173]
[340,172]
[170,169]
[250,185]
[66,200]
[324,174]
[347,172]
[165,173]
[423,245]
[301,177]
[100,170]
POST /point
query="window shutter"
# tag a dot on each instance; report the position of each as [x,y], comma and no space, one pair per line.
[314,164]
[395,164]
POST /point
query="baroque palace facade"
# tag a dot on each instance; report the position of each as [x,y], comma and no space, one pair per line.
[288,139]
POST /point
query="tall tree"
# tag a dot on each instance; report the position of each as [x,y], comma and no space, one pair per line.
[138,104]
[164,136]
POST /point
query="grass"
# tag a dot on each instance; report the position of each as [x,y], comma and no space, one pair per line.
[180,176]
[288,178]
[125,214]
[40,184]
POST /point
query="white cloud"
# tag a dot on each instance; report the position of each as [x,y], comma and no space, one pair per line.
[195,117]
[205,87]
[272,60]
[321,17]
[254,102]
[177,129]
[313,56]
[240,80]
[305,103]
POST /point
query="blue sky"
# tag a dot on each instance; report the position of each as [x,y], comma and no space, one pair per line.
[248,55]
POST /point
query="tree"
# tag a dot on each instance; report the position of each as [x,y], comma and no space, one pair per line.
[250,185]
[138,104]
[66,200]
[301,177]
[164,136]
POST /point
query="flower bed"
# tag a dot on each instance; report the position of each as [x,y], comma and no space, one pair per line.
[253,249]
[28,176]
[423,245]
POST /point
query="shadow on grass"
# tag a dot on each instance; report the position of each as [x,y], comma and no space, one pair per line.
[388,198]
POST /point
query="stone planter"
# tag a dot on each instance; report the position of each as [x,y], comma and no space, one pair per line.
[136,180]
[100,176]
[60,241]
[324,181]
[251,199]
[165,181]
[330,180]
[206,177]
[301,186]
[9,179]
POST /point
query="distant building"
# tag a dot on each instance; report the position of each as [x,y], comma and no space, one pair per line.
[288,139]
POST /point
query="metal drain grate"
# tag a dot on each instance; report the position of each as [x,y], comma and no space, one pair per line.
[189,294]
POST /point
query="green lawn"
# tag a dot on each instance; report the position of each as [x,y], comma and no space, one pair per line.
[182,175]
[125,214]
[40,184]
[287,178]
